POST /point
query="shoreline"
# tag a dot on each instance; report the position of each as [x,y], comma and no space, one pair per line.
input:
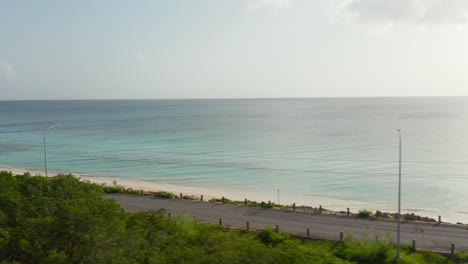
[329,205]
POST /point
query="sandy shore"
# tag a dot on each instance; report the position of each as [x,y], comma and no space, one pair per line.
[133,184]
[209,192]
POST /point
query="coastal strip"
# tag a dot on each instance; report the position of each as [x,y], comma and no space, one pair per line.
[217,195]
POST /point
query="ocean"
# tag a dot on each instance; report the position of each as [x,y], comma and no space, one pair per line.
[334,152]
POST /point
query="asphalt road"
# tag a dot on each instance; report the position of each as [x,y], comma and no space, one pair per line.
[437,237]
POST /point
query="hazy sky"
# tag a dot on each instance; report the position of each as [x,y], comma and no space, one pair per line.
[118,49]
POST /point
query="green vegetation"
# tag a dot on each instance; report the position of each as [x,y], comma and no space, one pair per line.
[130,191]
[163,194]
[189,197]
[64,220]
[263,204]
[226,200]
[114,188]
[365,213]
[249,203]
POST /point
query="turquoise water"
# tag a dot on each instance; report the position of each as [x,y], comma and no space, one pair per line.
[333,151]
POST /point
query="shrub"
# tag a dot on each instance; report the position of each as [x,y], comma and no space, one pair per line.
[189,197]
[261,204]
[131,191]
[218,200]
[365,213]
[114,188]
[164,194]
[460,257]
[270,236]
[365,250]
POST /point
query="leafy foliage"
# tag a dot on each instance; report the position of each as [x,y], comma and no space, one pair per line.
[164,194]
[114,188]
[58,219]
[365,213]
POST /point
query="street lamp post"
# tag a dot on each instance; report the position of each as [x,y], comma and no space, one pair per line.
[45,149]
[399,196]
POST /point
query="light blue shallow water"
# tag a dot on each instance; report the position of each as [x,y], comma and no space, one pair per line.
[345,149]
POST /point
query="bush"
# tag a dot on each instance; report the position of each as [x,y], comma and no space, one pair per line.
[57,220]
[365,213]
[114,188]
[460,257]
[131,191]
[366,250]
[164,194]
[189,197]
[270,236]
[219,200]
[261,204]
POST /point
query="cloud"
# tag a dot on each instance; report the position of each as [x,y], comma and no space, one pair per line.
[142,58]
[409,12]
[447,12]
[6,72]
[252,5]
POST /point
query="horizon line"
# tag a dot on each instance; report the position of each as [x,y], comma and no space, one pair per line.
[238,98]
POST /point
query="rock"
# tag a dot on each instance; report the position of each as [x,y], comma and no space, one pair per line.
[388,215]
[412,217]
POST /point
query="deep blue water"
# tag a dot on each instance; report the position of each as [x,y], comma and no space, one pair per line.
[312,149]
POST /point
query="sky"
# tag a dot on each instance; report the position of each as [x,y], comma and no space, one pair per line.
[179,49]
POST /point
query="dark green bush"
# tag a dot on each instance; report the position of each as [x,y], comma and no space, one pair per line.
[270,236]
[189,197]
[114,188]
[130,191]
[365,213]
[460,257]
[366,250]
[165,194]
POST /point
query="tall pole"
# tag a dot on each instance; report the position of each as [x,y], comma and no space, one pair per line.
[278,197]
[399,195]
[45,149]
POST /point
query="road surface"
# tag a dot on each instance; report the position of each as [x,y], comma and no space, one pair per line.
[430,236]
